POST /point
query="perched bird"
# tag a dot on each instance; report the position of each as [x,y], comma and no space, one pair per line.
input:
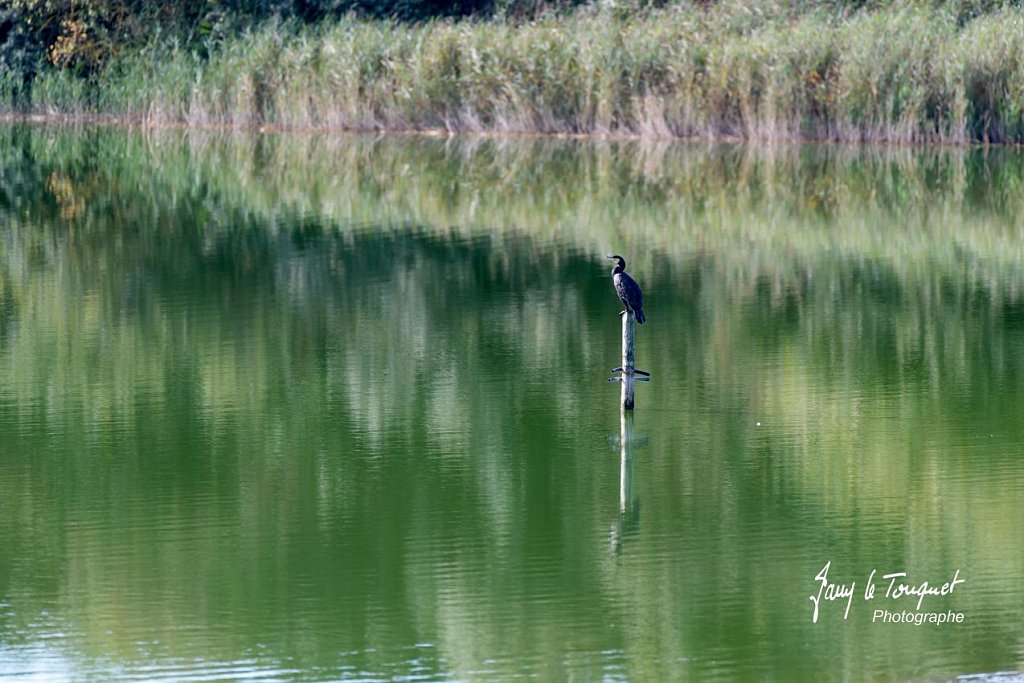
[628,290]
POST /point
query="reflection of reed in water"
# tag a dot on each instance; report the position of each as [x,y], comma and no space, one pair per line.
[628,520]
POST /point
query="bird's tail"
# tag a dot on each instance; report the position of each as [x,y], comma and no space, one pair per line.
[640,317]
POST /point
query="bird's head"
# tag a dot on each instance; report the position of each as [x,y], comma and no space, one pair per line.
[621,261]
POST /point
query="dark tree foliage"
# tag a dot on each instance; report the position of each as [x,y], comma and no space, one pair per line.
[405,10]
[21,50]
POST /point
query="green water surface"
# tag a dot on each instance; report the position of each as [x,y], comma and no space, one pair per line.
[292,407]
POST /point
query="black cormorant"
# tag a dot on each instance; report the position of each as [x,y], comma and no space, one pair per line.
[628,290]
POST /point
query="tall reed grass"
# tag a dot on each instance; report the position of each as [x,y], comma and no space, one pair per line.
[904,73]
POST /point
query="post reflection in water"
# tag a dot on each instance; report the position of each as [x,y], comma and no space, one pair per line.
[627,522]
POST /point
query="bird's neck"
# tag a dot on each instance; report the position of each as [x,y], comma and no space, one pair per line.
[618,269]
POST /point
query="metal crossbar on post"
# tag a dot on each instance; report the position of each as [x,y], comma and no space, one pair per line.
[629,375]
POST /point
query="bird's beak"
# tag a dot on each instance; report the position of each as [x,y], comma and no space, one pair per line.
[609,257]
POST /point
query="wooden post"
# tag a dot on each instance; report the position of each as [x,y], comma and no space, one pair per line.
[628,374]
[628,364]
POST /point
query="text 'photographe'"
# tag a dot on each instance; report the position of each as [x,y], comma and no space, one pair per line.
[906,597]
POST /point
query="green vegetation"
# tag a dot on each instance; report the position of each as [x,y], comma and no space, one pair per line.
[771,70]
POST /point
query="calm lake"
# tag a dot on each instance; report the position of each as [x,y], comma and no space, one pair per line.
[307,408]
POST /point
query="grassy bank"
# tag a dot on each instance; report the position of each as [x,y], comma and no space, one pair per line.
[905,73]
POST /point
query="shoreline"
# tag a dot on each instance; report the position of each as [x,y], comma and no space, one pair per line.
[902,76]
[276,129]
